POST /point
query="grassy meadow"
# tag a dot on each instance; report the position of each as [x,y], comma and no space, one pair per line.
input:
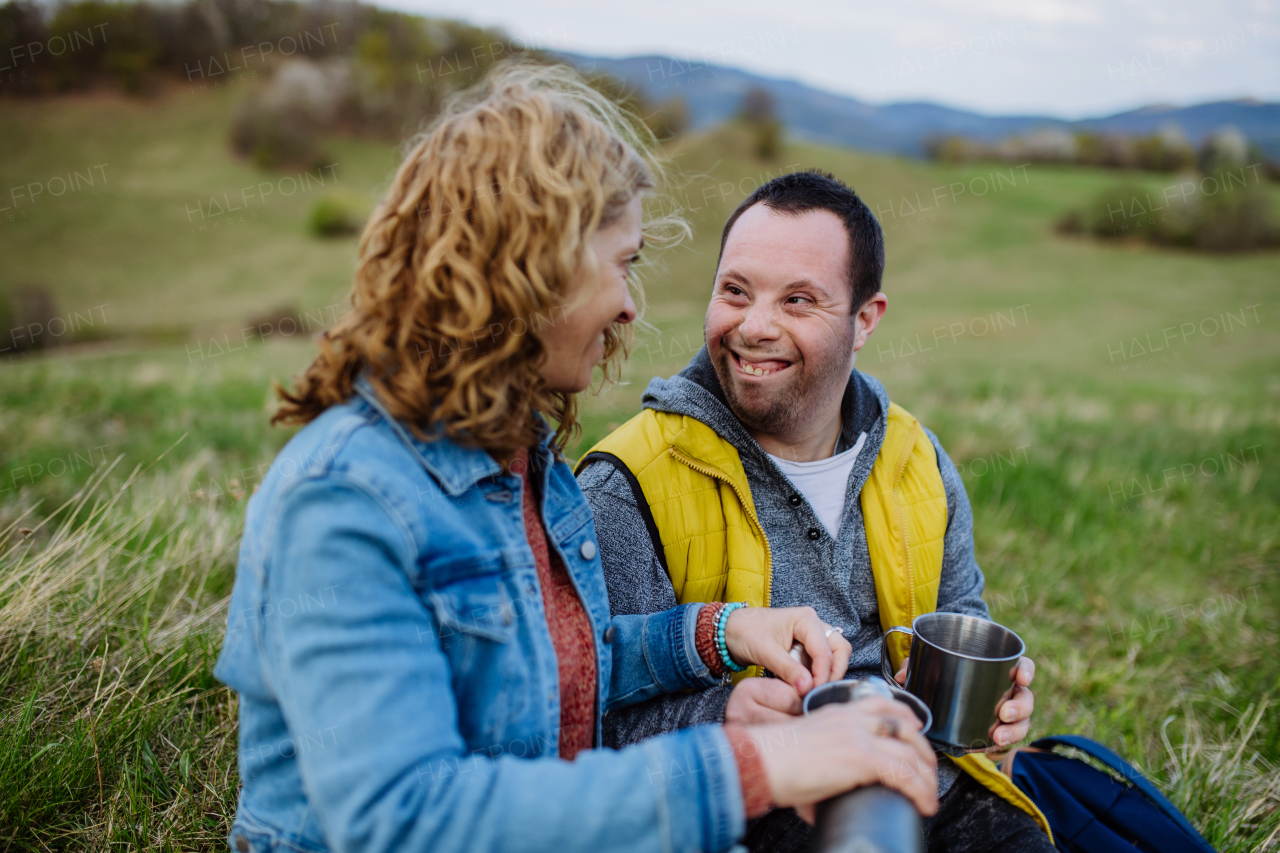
[1114,408]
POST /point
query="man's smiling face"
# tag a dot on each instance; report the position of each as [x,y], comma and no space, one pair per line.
[781,329]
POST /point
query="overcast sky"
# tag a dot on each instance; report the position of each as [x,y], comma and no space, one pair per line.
[1071,58]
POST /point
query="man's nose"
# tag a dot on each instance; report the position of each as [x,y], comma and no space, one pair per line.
[758,324]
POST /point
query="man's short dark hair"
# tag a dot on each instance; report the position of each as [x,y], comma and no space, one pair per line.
[800,192]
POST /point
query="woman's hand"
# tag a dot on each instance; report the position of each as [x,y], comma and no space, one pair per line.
[844,746]
[1014,710]
[764,636]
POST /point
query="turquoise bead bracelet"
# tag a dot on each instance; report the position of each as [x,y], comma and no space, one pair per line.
[721,645]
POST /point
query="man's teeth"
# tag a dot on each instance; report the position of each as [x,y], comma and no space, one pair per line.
[755,371]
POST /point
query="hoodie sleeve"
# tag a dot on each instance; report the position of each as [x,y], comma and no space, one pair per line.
[960,588]
[638,584]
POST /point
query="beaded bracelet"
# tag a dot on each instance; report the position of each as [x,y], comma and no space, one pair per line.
[721,645]
[705,638]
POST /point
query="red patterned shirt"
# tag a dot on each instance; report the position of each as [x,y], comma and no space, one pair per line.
[569,624]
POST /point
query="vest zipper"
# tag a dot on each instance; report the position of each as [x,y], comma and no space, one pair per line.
[902,524]
[751,514]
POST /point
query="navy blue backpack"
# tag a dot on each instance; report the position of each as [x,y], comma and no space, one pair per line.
[1091,811]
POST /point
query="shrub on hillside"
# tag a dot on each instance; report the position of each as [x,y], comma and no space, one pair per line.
[665,120]
[951,149]
[337,215]
[26,313]
[1167,150]
[279,321]
[21,23]
[276,137]
[282,126]
[1235,221]
[134,45]
[760,115]
[669,119]
[1223,212]
[1130,210]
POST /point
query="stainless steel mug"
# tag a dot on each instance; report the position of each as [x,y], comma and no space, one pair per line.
[960,667]
[871,819]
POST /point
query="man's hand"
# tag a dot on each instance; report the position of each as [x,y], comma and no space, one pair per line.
[1014,710]
[765,635]
[762,700]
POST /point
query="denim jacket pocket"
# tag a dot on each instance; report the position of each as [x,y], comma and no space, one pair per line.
[469,596]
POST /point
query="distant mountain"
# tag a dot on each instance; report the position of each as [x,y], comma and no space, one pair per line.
[713,93]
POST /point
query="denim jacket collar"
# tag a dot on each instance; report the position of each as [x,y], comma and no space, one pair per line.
[455,466]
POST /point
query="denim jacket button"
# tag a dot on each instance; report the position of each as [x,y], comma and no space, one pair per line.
[610,633]
[588,550]
[242,844]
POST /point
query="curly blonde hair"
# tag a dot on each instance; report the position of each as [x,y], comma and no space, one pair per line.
[470,254]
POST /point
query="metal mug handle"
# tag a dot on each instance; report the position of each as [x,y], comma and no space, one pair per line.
[886,665]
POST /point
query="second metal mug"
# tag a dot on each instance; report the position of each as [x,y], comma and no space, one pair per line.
[960,667]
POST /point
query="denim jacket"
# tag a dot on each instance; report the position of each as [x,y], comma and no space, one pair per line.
[397,681]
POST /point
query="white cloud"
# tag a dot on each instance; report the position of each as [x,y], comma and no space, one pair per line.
[1031,11]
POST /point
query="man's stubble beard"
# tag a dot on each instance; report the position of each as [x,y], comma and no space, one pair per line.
[784,412]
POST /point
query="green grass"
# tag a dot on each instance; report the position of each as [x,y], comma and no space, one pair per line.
[115,731]
[1152,615]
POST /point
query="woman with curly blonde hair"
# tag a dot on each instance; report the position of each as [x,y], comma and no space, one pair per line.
[419,632]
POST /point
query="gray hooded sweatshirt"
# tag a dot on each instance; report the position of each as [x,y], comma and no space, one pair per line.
[833,576]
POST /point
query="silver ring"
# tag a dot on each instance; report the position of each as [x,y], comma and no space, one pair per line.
[834,630]
[888,728]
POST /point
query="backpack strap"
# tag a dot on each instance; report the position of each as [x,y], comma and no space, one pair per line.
[642,503]
[1127,771]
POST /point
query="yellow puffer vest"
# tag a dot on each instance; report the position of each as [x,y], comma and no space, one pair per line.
[714,548]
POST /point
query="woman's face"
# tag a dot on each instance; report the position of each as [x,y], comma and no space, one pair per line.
[598,297]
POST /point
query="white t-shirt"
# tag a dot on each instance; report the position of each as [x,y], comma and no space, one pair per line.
[823,483]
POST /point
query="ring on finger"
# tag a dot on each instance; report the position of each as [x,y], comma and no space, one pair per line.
[888,728]
[834,629]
